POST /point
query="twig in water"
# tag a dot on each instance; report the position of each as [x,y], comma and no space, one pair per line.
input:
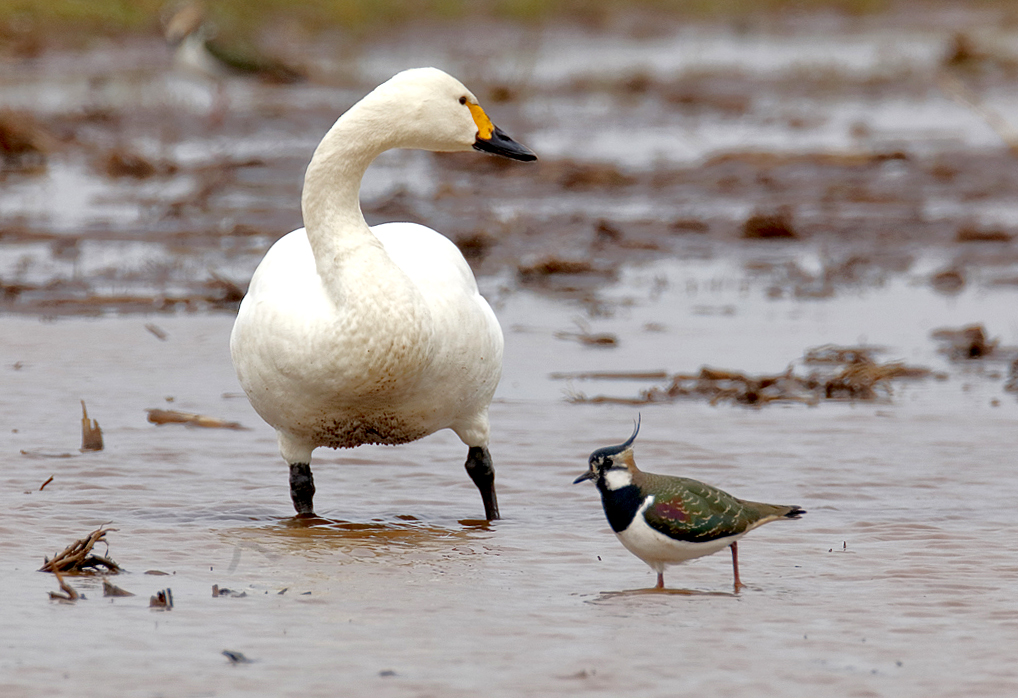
[76,557]
[69,595]
[157,416]
[91,434]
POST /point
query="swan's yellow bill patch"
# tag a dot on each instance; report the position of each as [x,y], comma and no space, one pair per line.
[484,126]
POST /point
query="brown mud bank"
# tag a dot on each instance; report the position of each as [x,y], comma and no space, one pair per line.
[121,190]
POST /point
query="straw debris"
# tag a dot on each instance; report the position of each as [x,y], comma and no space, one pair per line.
[855,376]
[160,417]
[966,343]
[91,434]
[68,595]
[77,558]
[110,589]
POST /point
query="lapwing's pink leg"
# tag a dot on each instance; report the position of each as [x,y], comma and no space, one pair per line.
[735,566]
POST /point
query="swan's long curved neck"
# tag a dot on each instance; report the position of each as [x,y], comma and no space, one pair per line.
[331,198]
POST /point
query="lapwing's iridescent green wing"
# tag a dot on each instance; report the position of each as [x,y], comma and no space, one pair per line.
[689,510]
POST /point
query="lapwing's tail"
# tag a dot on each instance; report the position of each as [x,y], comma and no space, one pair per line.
[794,513]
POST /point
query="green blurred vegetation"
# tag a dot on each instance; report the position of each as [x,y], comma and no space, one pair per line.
[98,17]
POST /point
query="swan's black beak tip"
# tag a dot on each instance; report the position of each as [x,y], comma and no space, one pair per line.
[501,144]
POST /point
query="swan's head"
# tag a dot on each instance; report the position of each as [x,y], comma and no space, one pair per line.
[434,111]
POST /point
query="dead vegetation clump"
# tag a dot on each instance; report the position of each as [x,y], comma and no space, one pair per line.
[857,377]
[119,162]
[543,269]
[590,339]
[965,54]
[160,417]
[67,593]
[864,379]
[688,225]
[78,558]
[223,292]
[767,226]
[834,354]
[966,343]
[91,434]
[948,281]
[962,51]
[475,246]
[586,337]
[502,93]
[574,175]
[697,98]
[23,143]
[112,590]
[970,233]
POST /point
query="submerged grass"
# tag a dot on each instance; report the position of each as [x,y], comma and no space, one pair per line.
[102,17]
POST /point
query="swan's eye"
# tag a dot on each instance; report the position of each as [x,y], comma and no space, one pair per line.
[463,100]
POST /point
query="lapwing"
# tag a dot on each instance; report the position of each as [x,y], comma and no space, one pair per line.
[199,50]
[665,520]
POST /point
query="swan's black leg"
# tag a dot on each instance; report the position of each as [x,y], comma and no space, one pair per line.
[482,472]
[302,489]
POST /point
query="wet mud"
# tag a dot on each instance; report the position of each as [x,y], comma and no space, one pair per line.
[124,191]
[795,258]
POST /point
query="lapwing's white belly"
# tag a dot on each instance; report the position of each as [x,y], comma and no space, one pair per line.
[658,550]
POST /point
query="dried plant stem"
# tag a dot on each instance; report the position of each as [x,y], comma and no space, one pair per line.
[91,434]
[77,556]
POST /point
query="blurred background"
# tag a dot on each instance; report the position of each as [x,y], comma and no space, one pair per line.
[808,205]
[150,152]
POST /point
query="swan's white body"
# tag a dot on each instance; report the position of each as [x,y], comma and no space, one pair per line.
[410,349]
[352,335]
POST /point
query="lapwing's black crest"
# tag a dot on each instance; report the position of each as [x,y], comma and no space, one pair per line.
[604,458]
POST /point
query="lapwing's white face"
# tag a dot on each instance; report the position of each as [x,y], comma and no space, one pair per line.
[617,478]
[612,466]
[613,469]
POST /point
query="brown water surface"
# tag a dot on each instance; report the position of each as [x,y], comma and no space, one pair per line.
[898,581]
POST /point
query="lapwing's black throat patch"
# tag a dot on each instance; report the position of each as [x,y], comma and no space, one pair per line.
[621,505]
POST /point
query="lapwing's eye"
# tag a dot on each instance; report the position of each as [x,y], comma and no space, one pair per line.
[463,100]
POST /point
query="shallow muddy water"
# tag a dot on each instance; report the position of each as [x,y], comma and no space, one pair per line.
[897,582]
[658,145]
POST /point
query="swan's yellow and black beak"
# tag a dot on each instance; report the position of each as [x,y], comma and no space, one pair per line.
[492,139]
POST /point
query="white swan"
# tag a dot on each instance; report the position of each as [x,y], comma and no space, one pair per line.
[353,335]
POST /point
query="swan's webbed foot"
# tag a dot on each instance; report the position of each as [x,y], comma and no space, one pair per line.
[482,472]
[302,489]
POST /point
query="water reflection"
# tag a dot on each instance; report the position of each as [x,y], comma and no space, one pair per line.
[362,539]
[608,596]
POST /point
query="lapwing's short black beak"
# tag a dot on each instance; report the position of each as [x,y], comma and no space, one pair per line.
[589,475]
[501,144]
